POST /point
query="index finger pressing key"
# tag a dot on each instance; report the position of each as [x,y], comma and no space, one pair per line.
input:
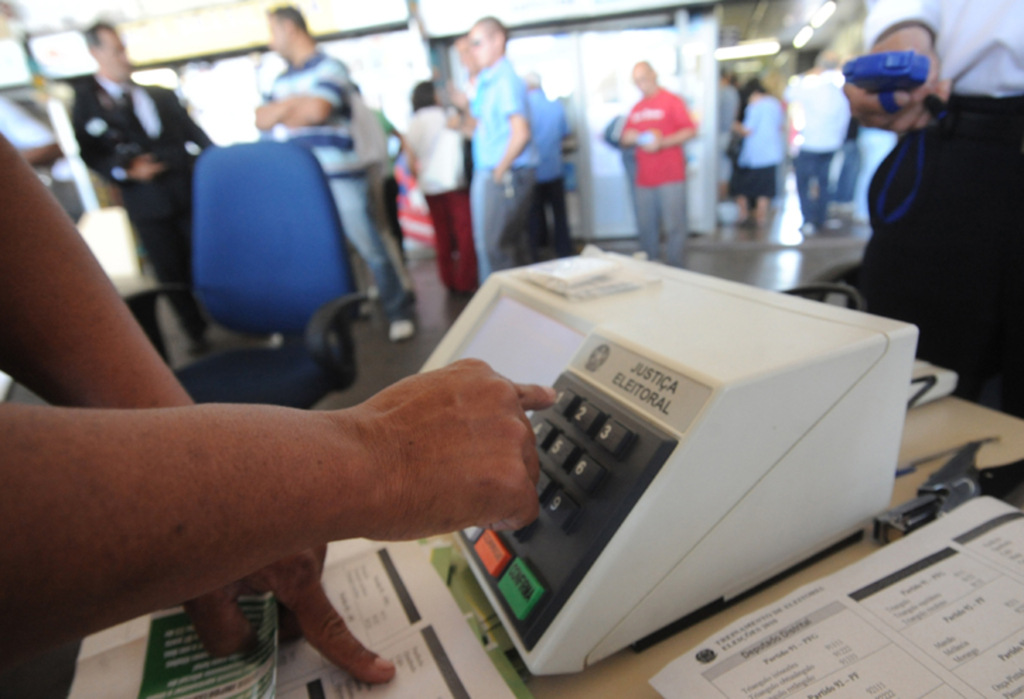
[534,397]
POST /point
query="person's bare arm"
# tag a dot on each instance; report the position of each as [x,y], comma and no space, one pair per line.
[294,112]
[43,155]
[519,137]
[412,160]
[111,513]
[120,512]
[465,122]
[738,127]
[673,140]
[68,336]
[913,114]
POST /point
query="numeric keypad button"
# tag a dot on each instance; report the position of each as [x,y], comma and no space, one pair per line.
[565,402]
[587,474]
[562,509]
[587,417]
[544,431]
[543,484]
[562,451]
[614,437]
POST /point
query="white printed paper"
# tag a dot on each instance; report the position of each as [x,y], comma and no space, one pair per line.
[393,601]
[938,614]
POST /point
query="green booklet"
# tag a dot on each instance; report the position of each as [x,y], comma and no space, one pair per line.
[178,667]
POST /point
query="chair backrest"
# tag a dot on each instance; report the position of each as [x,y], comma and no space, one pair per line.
[268,247]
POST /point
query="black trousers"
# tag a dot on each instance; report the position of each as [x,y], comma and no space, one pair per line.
[549,194]
[954,263]
[168,243]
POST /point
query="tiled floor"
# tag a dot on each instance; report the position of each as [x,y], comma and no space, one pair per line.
[776,257]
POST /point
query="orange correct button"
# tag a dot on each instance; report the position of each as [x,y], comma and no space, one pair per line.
[492,552]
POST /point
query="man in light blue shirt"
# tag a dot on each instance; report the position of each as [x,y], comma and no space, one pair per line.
[548,128]
[504,159]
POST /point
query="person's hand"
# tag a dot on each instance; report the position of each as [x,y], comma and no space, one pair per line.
[453,448]
[145,167]
[653,143]
[913,113]
[458,98]
[498,174]
[269,115]
[305,611]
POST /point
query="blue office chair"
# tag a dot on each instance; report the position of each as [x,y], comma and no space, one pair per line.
[269,256]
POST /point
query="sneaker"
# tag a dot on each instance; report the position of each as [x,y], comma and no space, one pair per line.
[833,224]
[401,330]
[808,229]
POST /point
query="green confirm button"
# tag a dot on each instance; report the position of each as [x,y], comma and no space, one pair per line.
[521,588]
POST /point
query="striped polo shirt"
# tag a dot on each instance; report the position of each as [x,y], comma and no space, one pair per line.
[331,142]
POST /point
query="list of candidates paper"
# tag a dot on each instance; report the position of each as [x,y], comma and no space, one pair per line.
[938,614]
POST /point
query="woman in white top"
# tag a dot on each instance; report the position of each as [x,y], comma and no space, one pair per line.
[435,158]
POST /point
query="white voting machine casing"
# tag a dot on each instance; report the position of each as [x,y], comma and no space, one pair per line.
[708,435]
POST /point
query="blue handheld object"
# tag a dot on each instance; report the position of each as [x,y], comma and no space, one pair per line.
[886,72]
[888,102]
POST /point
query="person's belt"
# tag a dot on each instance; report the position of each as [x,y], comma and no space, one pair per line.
[981,126]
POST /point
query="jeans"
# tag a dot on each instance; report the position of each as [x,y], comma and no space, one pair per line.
[477,187]
[848,173]
[662,207]
[813,166]
[351,196]
[500,216]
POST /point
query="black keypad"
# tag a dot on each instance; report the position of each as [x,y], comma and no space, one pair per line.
[543,484]
[524,534]
[587,474]
[583,500]
[544,431]
[562,509]
[562,451]
[565,402]
[614,437]
[587,417]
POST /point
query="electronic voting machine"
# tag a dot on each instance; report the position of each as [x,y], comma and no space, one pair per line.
[707,436]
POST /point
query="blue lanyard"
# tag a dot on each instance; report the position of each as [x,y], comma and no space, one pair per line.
[900,211]
[938,109]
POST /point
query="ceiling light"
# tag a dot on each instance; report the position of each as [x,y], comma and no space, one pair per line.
[823,13]
[750,49]
[802,37]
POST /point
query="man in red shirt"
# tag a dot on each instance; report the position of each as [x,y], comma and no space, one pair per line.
[658,126]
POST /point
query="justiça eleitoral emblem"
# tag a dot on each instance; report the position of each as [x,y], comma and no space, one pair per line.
[598,357]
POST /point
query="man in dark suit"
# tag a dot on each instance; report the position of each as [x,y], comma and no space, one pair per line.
[143,140]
